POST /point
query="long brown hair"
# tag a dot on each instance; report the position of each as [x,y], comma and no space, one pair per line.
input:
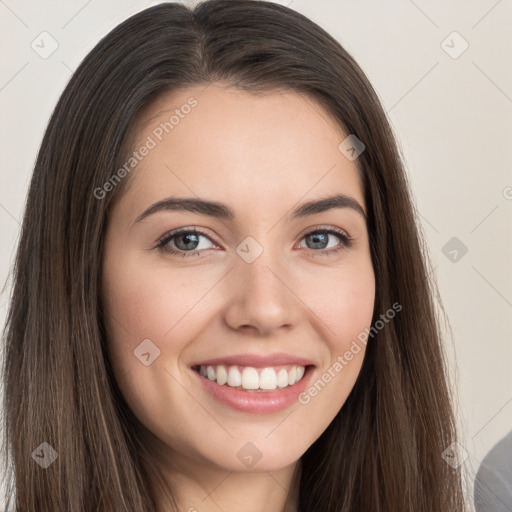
[382,452]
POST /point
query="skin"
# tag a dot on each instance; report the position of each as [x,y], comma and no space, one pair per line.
[262,155]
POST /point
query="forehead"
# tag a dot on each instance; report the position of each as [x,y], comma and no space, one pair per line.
[242,148]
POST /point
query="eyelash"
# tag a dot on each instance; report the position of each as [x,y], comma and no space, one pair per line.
[346,241]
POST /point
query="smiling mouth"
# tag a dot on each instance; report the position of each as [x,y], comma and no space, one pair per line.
[248,378]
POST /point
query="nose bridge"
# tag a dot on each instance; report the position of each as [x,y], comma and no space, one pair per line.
[258,263]
[260,295]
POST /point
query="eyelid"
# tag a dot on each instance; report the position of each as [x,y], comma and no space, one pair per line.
[325,227]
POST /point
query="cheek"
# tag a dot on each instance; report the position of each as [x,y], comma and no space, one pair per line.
[343,299]
[343,302]
[350,311]
[141,302]
[146,303]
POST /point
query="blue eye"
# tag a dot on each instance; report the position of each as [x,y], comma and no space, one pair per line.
[186,240]
[320,237]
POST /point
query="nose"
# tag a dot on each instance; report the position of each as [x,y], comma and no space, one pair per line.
[260,295]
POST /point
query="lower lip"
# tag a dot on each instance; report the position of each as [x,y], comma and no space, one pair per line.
[256,402]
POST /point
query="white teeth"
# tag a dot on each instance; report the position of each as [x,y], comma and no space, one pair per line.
[222,375]
[210,372]
[252,378]
[292,376]
[268,379]
[283,378]
[234,377]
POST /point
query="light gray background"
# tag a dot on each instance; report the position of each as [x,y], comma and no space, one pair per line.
[452,116]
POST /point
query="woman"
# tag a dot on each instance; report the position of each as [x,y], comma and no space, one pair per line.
[266,370]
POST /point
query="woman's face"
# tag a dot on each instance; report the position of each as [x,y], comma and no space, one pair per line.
[264,284]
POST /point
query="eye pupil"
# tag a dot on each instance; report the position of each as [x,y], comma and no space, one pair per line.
[187,237]
[319,238]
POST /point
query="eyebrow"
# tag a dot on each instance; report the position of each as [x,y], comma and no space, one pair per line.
[222,211]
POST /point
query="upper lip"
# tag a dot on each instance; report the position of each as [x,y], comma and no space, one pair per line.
[256,361]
